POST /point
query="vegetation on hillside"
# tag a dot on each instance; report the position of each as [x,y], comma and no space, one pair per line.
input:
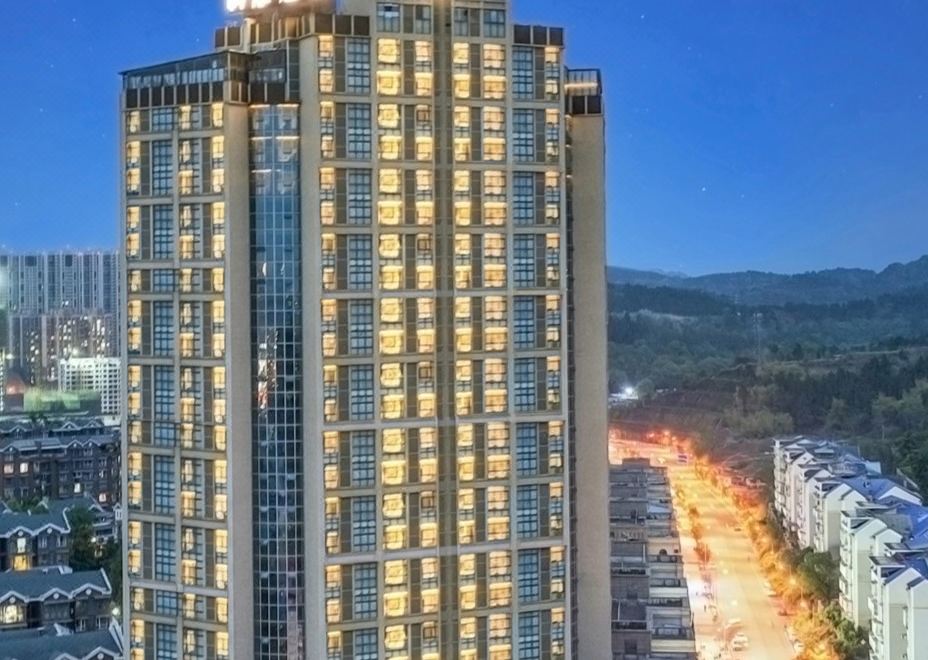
[858,370]
[670,336]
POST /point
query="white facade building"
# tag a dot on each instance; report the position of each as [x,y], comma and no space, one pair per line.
[97,374]
[899,608]
[831,497]
[864,533]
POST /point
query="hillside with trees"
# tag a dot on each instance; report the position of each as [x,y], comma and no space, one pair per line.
[857,369]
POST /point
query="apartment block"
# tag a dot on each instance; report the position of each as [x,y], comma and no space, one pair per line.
[834,501]
[870,531]
[365,339]
[56,306]
[59,458]
[49,282]
[806,470]
[899,606]
[94,374]
[651,616]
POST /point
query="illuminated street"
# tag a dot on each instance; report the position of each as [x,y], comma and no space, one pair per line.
[729,598]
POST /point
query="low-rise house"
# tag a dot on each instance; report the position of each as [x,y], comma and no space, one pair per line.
[33,539]
[55,596]
[41,537]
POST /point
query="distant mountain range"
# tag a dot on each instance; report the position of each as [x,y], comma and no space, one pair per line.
[820,287]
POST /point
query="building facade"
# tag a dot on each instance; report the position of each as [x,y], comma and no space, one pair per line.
[651,615]
[365,340]
[55,596]
[95,374]
[55,306]
[59,458]
[51,282]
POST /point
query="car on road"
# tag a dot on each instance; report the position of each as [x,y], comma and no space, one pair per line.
[733,624]
[768,590]
[739,642]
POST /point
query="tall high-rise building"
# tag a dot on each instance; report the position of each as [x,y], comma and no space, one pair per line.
[57,305]
[365,340]
[57,282]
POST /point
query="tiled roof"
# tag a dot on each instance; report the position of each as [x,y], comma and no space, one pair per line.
[51,515]
[57,643]
[52,583]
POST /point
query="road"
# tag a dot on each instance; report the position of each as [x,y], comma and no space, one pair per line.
[733,580]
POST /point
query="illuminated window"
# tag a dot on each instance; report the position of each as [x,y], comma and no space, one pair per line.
[389,213]
[462,85]
[494,60]
[390,181]
[423,148]
[216,115]
[388,82]
[326,64]
[423,84]
[10,614]
[494,89]
[395,638]
[388,51]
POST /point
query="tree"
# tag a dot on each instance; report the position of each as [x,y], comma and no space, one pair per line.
[839,416]
[819,573]
[83,548]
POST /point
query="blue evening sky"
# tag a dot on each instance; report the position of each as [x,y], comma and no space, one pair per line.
[781,135]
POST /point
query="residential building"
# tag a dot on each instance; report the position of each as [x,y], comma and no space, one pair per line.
[56,306]
[55,596]
[59,457]
[899,606]
[365,399]
[651,616]
[834,501]
[41,536]
[832,496]
[33,539]
[49,282]
[38,344]
[800,464]
[865,532]
[59,643]
[96,374]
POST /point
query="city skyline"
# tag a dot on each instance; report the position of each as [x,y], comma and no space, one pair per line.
[730,98]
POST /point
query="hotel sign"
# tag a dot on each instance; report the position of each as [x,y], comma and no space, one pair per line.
[257,5]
